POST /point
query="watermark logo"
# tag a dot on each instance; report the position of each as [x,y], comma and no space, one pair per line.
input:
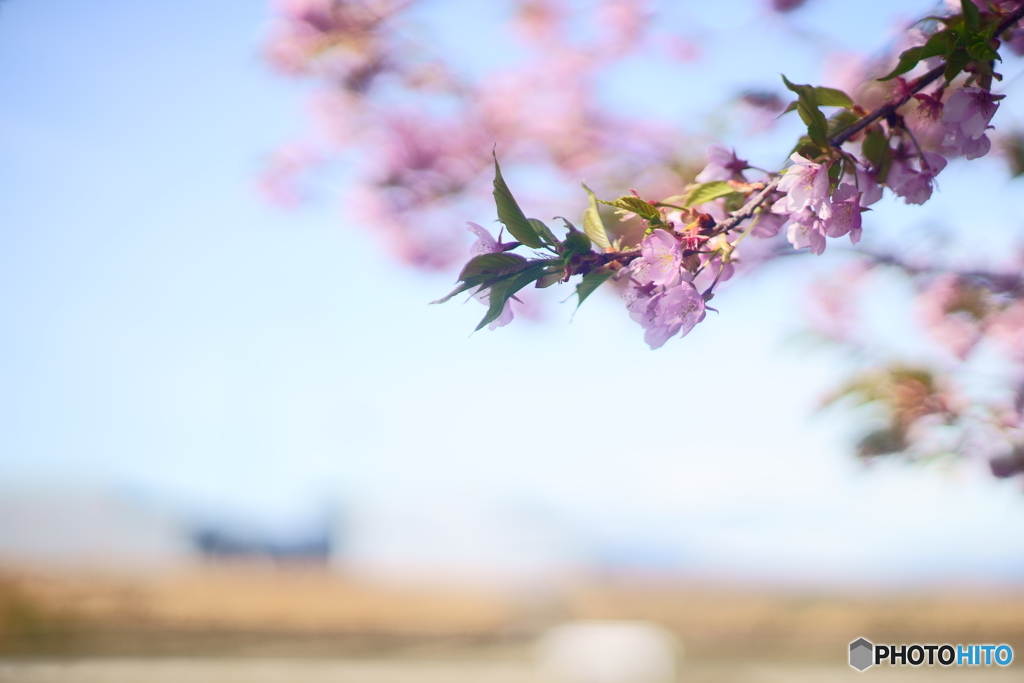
[865,654]
[862,654]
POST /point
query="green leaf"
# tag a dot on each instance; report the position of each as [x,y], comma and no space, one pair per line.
[830,97]
[707,192]
[576,242]
[972,16]
[805,147]
[489,266]
[592,281]
[551,276]
[510,214]
[485,269]
[938,45]
[592,223]
[502,291]
[877,150]
[458,290]
[908,60]
[840,121]
[543,231]
[980,50]
[875,144]
[635,205]
[955,63]
[807,108]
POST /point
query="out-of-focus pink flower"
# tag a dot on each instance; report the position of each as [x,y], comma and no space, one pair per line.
[1016,41]
[786,5]
[832,303]
[280,181]
[624,22]
[912,178]
[947,310]
[845,218]
[486,244]
[867,183]
[681,49]
[925,122]
[723,164]
[806,185]
[768,224]
[965,116]
[1007,328]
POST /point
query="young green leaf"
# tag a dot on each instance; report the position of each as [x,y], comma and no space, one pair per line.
[592,281]
[510,214]
[503,290]
[576,242]
[592,223]
[972,16]
[543,231]
[840,121]
[938,45]
[831,97]
[874,147]
[955,63]
[807,108]
[635,205]
[908,60]
[551,276]
[489,266]
[706,192]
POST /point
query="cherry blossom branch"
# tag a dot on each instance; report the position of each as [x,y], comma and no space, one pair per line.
[917,86]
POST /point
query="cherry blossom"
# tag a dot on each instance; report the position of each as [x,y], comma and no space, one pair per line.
[912,178]
[807,186]
[845,218]
[723,164]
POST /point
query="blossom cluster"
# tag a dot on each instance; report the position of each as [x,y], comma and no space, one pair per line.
[422,131]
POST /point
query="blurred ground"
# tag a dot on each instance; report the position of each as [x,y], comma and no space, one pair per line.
[295,622]
[323,671]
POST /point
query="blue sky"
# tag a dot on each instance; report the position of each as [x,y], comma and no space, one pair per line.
[167,333]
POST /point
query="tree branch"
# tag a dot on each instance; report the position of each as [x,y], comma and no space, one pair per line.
[917,86]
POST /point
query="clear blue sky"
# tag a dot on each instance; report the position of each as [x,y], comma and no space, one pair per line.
[165,331]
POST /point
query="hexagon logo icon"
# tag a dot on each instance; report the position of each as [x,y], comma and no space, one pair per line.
[861,654]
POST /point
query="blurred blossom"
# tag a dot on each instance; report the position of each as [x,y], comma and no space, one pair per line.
[952,311]
[786,5]
[431,152]
[281,179]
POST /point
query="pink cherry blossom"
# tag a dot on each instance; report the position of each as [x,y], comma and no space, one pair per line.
[867,183]
[968,111]
[912,178]
[806,185]
[485,243]
[806,230]
[768,224]
[667,312]
[663,256]
[845,218]
[723,164]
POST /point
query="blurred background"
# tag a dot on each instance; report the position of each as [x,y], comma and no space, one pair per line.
[235,430]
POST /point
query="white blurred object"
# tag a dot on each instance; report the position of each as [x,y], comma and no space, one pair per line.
[601,651]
